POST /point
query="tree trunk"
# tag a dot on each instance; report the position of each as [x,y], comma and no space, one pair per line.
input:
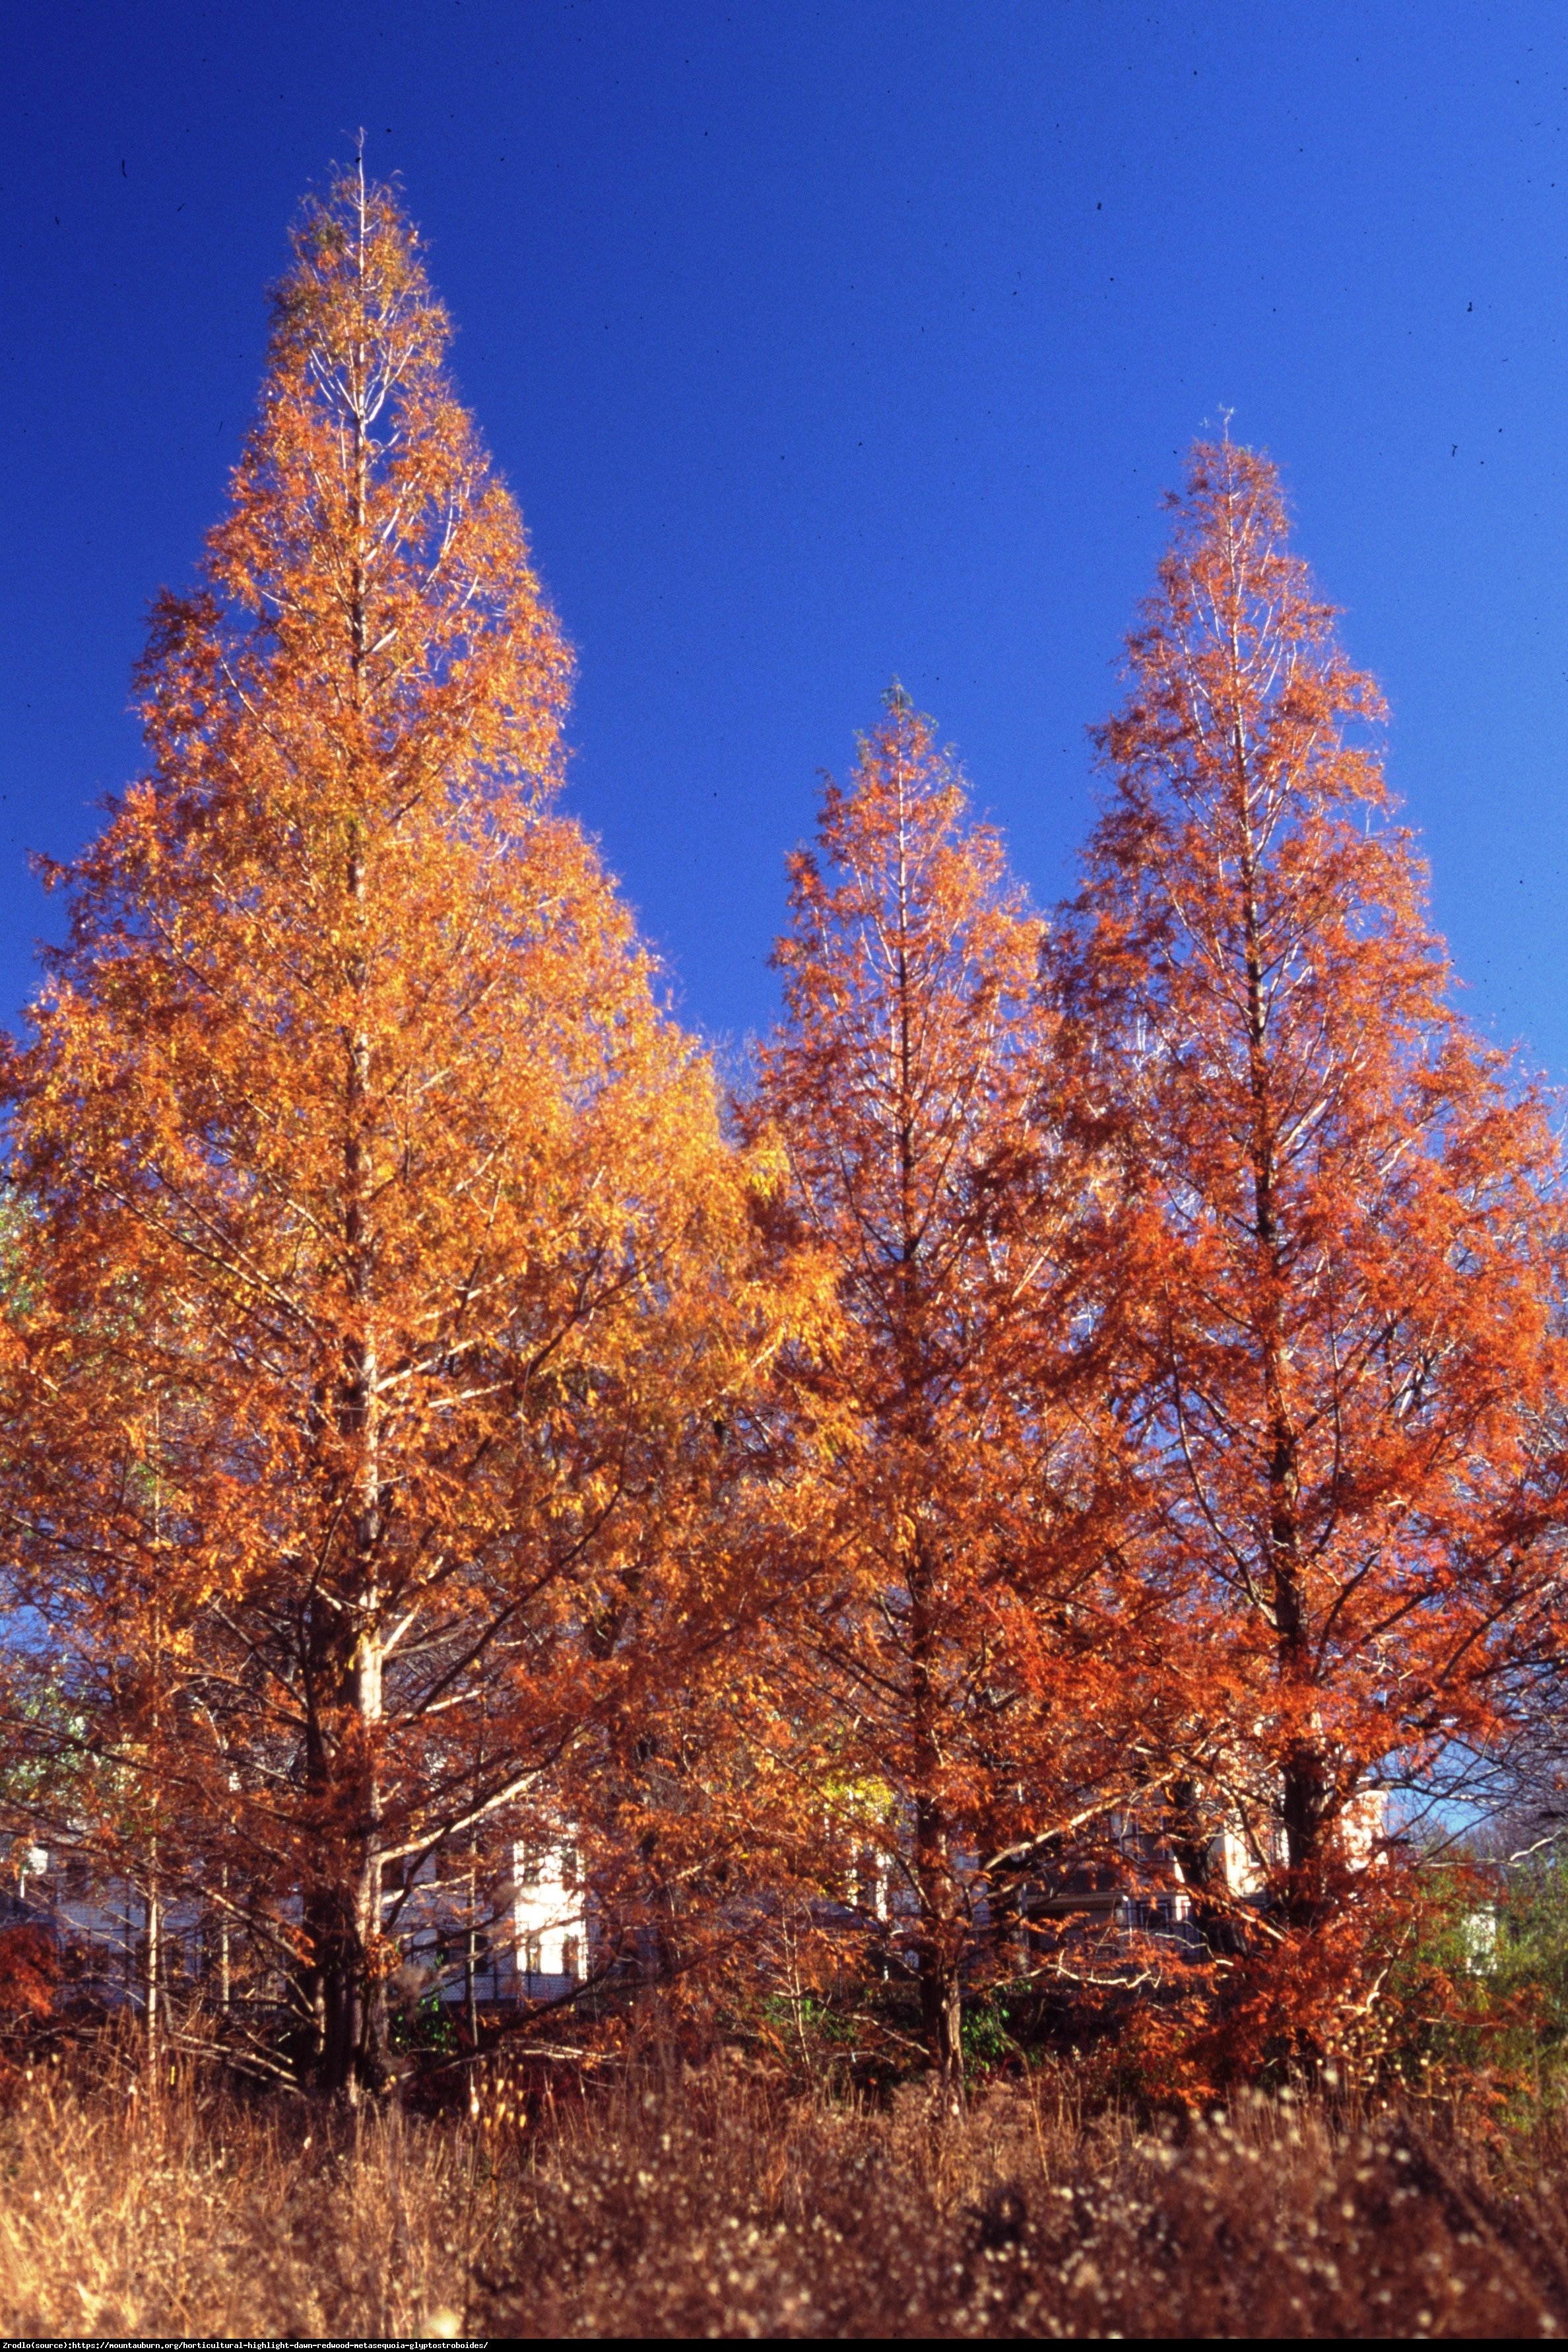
[1192,1838]
[470,1952]
[1303,1776]
[335,1975]
[151,1970]
[942,2020]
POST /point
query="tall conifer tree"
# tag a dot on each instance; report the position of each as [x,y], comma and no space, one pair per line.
[376,1219]
[1341,1234]
[955,1646]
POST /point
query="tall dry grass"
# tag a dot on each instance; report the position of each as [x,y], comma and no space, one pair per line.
[714,2204]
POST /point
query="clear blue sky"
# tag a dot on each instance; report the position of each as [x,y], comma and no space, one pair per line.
[821,343]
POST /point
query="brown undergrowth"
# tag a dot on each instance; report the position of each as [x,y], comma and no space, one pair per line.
[713,2204]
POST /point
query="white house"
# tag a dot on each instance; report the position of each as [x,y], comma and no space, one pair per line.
[523,1938]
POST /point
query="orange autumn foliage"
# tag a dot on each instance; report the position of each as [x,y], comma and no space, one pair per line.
[1108,1392]
[384,1267]
[1341,1233]
[943,1498]
[29,1977]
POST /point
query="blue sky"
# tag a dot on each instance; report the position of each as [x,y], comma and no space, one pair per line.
[824,343]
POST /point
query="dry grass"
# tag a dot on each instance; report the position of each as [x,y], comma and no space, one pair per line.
[715,2205]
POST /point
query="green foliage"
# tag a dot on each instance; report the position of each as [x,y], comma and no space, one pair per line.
[1482,1983]
[809,2016]
[1534,1939]
[48,1763]
[986,2038]
[1528,1974]
[424,2025]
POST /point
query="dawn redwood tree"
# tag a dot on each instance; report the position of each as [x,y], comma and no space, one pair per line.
[939,1490]
[382,1273]
[1341,1222]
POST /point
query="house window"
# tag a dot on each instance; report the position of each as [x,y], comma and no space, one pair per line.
[569,1865]
[533,1956]
[530,1863]
[568,1962]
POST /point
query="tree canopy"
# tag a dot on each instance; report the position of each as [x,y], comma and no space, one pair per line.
[1091,1406]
